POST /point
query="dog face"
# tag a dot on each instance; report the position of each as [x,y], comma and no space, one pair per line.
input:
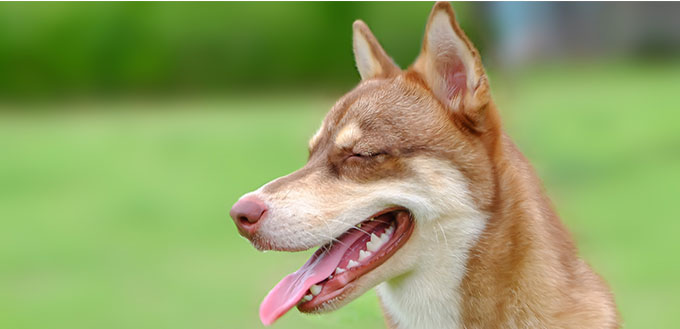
[397,161]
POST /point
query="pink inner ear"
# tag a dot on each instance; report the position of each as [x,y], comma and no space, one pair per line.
[455,79]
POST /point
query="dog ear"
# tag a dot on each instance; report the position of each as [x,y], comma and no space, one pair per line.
[451,65]
[371,60]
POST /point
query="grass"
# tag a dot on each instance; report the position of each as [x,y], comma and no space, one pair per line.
[115,215]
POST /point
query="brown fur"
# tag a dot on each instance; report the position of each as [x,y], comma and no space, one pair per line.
[524,271]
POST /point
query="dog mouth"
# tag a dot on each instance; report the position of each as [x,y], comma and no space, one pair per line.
[332,271]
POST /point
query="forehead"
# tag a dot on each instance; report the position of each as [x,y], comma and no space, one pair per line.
[376,104]
[349,105]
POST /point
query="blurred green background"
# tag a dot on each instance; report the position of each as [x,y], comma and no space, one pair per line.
[127,130]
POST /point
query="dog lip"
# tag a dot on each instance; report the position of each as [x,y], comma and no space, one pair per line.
[262,244]
[344,283]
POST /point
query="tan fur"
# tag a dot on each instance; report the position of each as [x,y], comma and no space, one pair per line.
[403,138]
[348,136]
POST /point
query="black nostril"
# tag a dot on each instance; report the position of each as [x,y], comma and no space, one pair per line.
[244,220]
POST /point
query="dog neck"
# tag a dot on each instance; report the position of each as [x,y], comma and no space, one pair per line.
[524,270]
[514,265]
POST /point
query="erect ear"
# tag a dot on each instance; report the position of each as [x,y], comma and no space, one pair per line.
[371,59]
[451,65]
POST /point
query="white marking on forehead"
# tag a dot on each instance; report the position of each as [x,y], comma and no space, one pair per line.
[348,135]
[315,139]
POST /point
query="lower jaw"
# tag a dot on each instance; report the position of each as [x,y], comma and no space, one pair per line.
[340,286]
[329,301]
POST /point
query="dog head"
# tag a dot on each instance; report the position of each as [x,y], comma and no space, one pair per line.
[396,159]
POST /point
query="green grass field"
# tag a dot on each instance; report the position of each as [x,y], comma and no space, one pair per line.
[114,215]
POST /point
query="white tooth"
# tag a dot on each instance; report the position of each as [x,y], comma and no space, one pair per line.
[364,254]
[330,276]
[370,246]
[375,243]
[359,225]
[338,270]
[351,264]
[307,298]
[379,244]
[384,237]
[389,230]
[315,289]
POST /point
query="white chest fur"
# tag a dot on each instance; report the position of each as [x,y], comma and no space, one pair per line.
[429,297]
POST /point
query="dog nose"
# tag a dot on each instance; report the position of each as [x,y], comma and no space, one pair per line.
[247,213]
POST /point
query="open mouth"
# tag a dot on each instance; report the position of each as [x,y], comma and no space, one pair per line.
[331,271]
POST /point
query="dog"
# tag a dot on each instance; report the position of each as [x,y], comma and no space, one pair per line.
[413,187]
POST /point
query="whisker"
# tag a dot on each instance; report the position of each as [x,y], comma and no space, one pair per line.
[327,248]
[333,239]
[308,231]
[315,236]
[446,241]
[436,234]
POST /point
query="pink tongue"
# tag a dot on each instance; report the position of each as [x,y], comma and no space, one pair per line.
[293,287]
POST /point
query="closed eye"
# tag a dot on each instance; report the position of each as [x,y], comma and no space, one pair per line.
[366,155]
[369,154]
